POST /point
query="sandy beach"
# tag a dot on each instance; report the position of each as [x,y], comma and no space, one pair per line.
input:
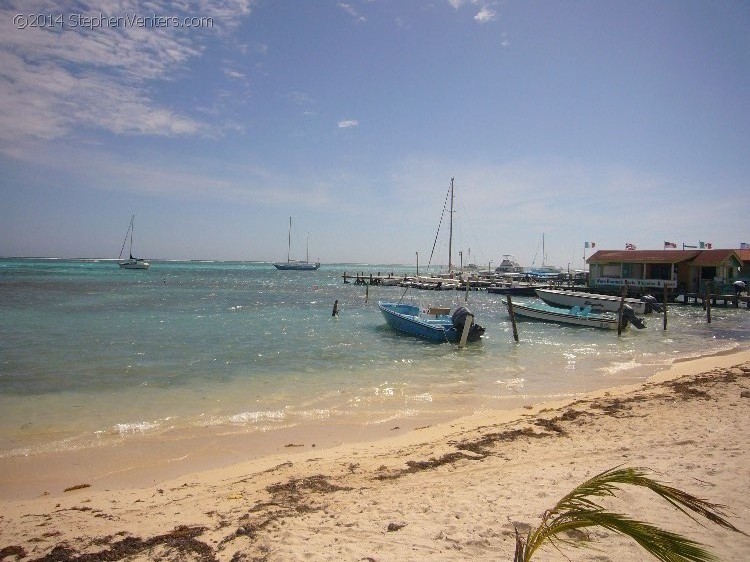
[441,492]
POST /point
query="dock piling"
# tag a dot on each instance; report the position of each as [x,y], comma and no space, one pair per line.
[512,318]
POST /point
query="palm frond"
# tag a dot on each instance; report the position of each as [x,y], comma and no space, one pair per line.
[579,509]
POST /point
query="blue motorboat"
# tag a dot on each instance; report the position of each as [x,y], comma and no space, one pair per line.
[437,324]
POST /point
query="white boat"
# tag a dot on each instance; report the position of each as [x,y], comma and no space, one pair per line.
[576,316]
[509,264]
[545,270]
[131,263]
[597,303]
[296,265]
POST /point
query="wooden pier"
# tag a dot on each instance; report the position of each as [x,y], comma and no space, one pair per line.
[727,300]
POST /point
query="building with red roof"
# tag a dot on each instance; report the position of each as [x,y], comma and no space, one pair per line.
[683,270]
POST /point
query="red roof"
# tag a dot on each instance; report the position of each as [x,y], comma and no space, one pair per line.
[643,256]
[744,254]
[696,257]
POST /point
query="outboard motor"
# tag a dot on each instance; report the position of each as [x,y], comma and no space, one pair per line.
[652,305]
[628,315]
[459,321]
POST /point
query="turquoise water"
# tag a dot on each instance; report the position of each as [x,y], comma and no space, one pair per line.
[90,353]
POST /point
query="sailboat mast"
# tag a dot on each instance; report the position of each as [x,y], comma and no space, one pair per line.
[289,245]
[132,220]
[450,234]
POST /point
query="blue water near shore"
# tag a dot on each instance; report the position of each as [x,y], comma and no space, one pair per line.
[90,354]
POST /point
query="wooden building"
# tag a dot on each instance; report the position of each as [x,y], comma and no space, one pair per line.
[680,270]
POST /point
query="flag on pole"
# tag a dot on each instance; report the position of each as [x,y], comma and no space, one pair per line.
[686,246]
[705,245]
[589,245]
[629,246]
[670,245]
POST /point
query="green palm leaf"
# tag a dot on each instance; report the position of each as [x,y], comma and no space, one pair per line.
[580,509]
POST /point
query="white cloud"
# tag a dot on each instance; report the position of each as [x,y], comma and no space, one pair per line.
[57,78]
[349,9]
[485,14]
[348,123]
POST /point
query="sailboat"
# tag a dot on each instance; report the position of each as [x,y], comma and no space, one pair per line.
[131,263]
[545,270]
[296,265]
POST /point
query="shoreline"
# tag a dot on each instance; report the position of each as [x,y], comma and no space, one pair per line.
[147,460]
[449,489]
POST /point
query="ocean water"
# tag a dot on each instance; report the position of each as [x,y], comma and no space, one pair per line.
[91,354]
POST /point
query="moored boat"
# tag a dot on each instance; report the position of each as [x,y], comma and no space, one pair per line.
[438,324]
[131,263]
[597,303]
[296,265]
[576,316]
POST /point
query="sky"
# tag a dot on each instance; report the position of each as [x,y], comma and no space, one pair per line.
[214,121]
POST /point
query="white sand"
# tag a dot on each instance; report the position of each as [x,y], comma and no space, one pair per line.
[447,492]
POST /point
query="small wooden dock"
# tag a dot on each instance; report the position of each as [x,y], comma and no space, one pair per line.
[726,300]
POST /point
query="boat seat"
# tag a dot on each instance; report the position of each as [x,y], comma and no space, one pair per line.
[438,311]
[585,310]
[575,310]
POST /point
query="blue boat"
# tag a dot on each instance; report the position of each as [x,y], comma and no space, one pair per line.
[435,325]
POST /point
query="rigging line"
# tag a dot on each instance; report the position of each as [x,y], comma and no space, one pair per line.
[438,230]
[126,238]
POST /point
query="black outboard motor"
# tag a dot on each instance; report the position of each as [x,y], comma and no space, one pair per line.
[459,321]
[628,315]
[652,305]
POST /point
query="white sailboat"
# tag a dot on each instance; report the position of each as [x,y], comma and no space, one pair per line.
[296,265]
[131,263]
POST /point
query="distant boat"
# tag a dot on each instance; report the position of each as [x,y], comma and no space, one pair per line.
[545,270]
[296,265]
[436,324]
[131,263]
[597,303]
[509,264]
[576,316]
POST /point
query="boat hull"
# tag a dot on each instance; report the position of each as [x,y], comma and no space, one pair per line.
[598,303]
[559,316]
[407,318]
[135,264]
[296,266]
[518,290]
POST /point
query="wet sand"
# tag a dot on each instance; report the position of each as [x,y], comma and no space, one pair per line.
[448,491]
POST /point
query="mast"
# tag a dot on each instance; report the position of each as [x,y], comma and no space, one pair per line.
[289,245]
[132,220]
[450,234]
[307,252]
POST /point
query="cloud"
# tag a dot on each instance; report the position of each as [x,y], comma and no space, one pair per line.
[349,9]
[485,14]
[66,75]
[348,123]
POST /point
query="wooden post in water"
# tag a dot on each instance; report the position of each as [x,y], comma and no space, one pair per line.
[708,302]
[335,308]
[467,327]
[367,293]
[666,293]
[512,318]
[619,310]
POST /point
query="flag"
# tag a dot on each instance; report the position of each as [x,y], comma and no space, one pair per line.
[629,246]
[702,245]
[705,245]
[686,246]
[709,245]
[670,245]
[744,246]
[589,245]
